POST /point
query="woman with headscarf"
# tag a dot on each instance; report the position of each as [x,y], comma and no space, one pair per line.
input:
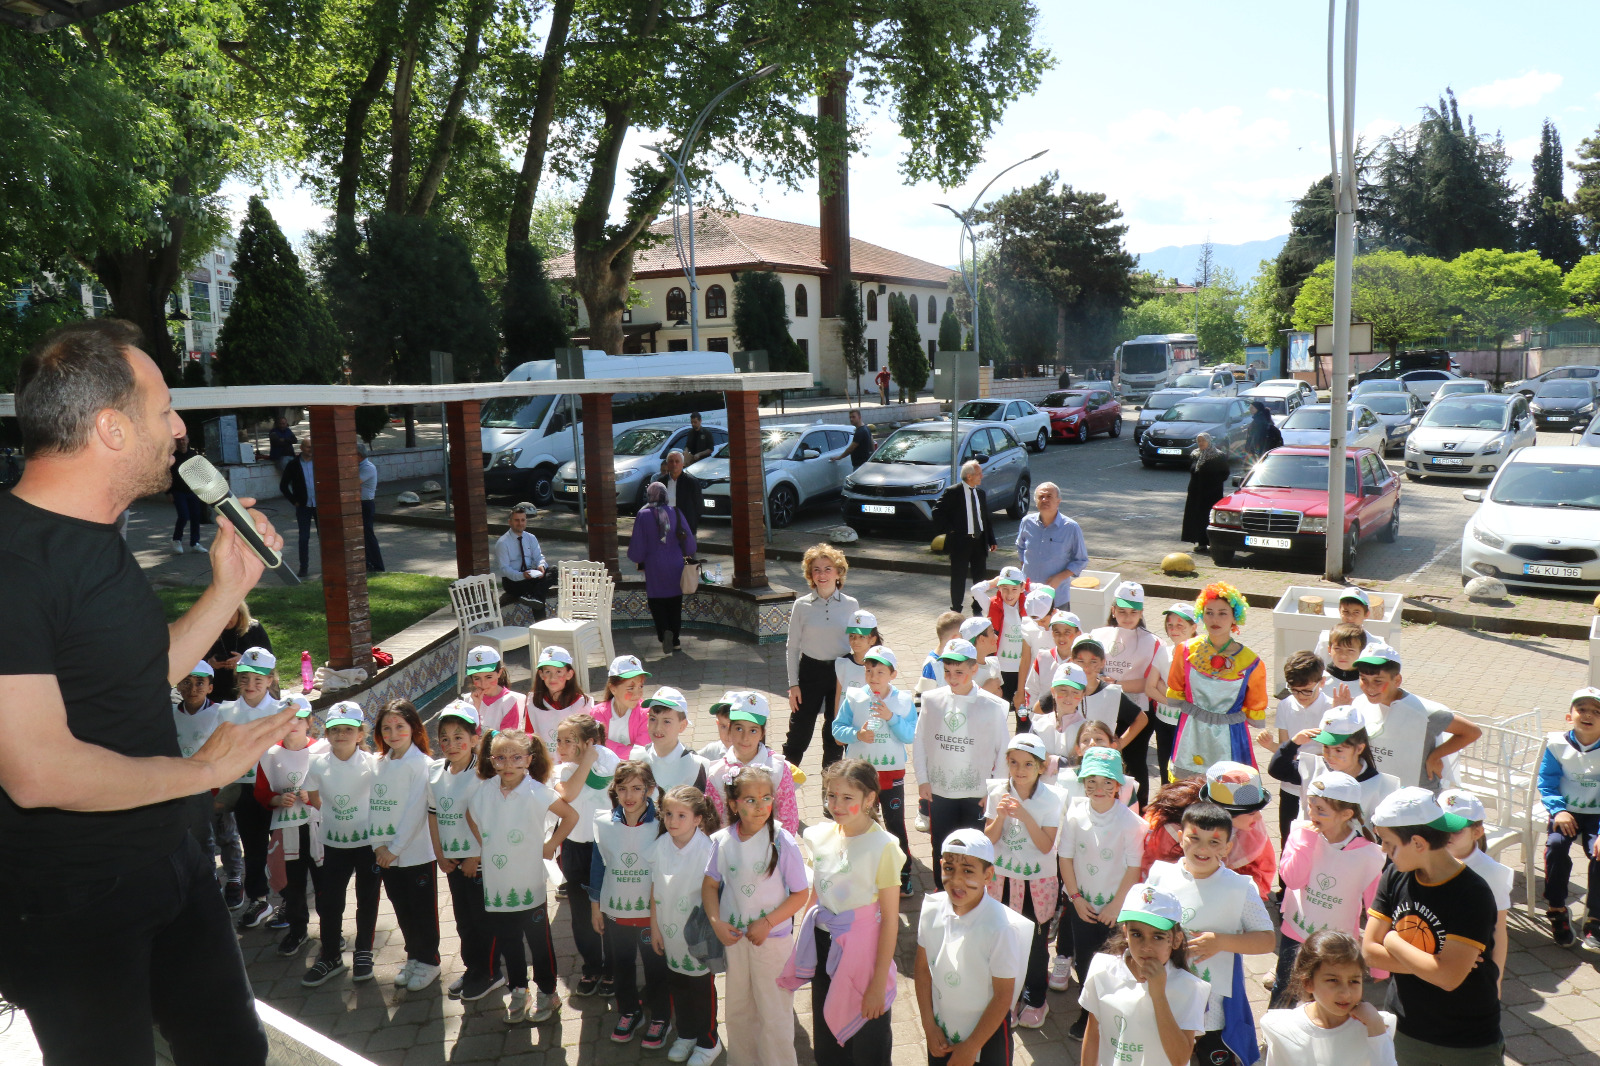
[661,543]
[1208,483]
[1264,435]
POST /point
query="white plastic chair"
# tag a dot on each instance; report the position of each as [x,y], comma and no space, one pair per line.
[582,623]
[476,601]
[1502,769]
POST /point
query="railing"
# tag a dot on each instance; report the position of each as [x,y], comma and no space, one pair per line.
[1567,338]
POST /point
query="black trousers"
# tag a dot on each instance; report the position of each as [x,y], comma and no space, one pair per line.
[413,892]
[1209,1050]
[817,685]
[189,510]
[472,923]
[667,613]
[294,891]
[369,512]
[625,944]
[1166,737]
[969,557]
[528,588]
[305,518]
[1036,981]
[892,802]
[338,864]
[873,1043]
[1136,763]
[946,816]
[1008,691]
[996,1050]
[160,936]
[576,858]
[254,823]
[1087,938]
[694,1002]
[507,932]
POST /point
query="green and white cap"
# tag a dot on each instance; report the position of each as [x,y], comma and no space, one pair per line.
[257,661]
[749,707]
[1184,611]
[1587,692]
[202,669]
[462,709]
[1151,906]
[1070,675]
[1333,785]
[1459,801]
[1357,594]
[668,698]
[626,666]
[1379,654]
[482,660]
[970,842]
[1130,595]
[880,653]
[1102,762]
[725,704]
[1415,806]
[1338,724]
[1039,602]
[346,712]
[956,650]
[1087,641]
[301,704]
[554,655]
[861,624]
[1010,575]
[975,627]
[1066,618]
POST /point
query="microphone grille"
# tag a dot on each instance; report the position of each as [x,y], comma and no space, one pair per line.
[203,479]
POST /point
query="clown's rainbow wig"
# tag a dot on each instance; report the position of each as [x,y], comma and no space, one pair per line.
[1221,590]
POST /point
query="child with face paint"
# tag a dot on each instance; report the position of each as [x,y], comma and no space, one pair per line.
[678,861]
[489,690]
[339,784]
[875,722]
[747,731]
[856,890]
[971,956]
[583,780]
[557,694]
[1058,718]
[622,712]
[1178,624]
[1141,1004]
[452,781]
[1330,1025]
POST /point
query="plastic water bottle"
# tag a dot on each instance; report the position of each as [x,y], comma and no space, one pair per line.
[306,673]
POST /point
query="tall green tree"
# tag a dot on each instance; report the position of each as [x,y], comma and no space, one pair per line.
[31,310]
[1582,285]
[1405,297]
[908,363]
[1442,188]
[1548,225]
[1586,197]
[532,321]
[949,332]
[1497,293]
[853,335]
[1215,315]
[991,343]
[761,320]
[278,330]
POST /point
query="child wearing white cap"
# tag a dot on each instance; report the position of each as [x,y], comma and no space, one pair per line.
[876,722]
[1300,709]
[583,779]
[1431,925]
[748,712]
[1106,702]
[670,762]
[850,669]
[1569,788]
[556,693]
[1130,663]
[1355,608]
[1338,742]
[1142,1006]
[1001,600]
[195,716]
[980,632]
[1405,728]
[339,784]
[1063,628]
[255,672]
[972,954]
[280,788]
[1037,608]
[1179,623]
[489,689]
[452,780]
[960,743]
[1023,816]
[1469,845]
[621,710]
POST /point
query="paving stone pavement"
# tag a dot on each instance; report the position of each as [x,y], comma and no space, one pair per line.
[1551,1011]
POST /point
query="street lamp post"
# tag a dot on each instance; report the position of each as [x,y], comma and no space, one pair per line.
[1342,158]
[685,194]
[970,283]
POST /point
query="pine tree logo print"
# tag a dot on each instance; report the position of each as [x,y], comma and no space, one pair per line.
[446,803]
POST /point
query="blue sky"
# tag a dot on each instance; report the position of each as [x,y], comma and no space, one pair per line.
[1206,121]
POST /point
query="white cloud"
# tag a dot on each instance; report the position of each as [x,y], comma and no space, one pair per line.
[1521,91]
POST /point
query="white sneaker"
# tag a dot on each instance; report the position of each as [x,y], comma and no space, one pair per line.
[544,1007]
[705,1056]
[1060,973]
[177,547]
[517,1009]
[681,1049]
[403,978]
[921,824]
[423,974]
[198,547]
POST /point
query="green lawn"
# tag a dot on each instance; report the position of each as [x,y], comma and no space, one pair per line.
[294,617]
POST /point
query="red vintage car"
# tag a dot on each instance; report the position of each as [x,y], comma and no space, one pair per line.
[1078,414]
[1281,506]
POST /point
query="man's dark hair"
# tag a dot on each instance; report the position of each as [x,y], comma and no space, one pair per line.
[71,375]
[1207,816]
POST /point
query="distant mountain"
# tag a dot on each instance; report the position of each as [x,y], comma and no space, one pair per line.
[1178,261]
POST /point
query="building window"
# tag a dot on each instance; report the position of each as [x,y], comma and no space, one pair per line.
[802,305]
[805,350]
[221,259]
[872,354]
[914,308]
[101,301]
[677,306]
[933,310]
[200,301]
[872,306]
[224,296]
[717,307]
[716,344]
[933,350]
[677,346]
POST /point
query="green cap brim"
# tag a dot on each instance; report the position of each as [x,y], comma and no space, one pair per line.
[343,720]
[632,673]
[858,632]
[243,669]
[551,662]
[1009,582]
[720,708]
[471,670]
[1129,914]
[1451,823]
[1130,605]
[881,659]
[458,716]
[1376,660]
[1328,739]
[747,716]
[304,712]
[665,705]
[1069,683]
[954,657]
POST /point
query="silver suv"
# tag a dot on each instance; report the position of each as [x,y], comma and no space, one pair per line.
[898,487]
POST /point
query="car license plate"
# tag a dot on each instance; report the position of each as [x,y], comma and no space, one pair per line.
[877,508]
[1169,451]
[1558,418]
[1449,462]
[710,502]
[1267,542]
[569,490]
[1540,570]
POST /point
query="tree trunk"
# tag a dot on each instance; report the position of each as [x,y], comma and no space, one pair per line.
[400,129]
[544,108]
[138,280]
[450,118]
[355,122]
[1061,333]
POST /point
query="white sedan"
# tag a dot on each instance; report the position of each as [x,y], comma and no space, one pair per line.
[1538,523]
[1029,424]
[1309,427]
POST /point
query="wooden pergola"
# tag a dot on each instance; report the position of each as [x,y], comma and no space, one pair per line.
[338,489]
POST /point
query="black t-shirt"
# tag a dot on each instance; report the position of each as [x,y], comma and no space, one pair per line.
[76,605]
[698,440]
[862,439]
[225,685]
[1461,908]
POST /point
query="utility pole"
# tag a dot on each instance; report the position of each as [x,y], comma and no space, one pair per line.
[1342,158]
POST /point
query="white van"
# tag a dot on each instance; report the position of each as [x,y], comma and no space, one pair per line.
[526,438]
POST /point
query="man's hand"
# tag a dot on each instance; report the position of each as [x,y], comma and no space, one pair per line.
[235,569]
[232,749]
[794,692]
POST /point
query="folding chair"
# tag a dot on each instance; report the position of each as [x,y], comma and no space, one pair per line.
[583,617]
[476,601]
[1502,769]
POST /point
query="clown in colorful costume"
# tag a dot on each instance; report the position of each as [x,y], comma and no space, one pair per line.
[1220,686]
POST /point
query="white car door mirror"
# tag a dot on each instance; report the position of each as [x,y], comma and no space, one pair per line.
[1472,495]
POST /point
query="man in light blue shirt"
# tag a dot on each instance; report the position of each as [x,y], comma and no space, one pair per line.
[520,563]
[369,506]
[1050,546]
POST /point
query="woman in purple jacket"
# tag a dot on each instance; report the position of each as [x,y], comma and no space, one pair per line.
[662,541]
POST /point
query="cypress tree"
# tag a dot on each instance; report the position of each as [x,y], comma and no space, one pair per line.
[908,363]
[949,332]
[761,320]
[1586,197]
[1548,225]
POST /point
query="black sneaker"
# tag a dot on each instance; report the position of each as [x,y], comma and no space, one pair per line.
[907,889]
[321,971]
[233,895]
[479,986]
[607,988]
[279,920]
[362,970]
[255,913]
[291,943]
[588,985]
[454,989]
[1076,1030]
[1561,928]
[655,1035]
[626,1026]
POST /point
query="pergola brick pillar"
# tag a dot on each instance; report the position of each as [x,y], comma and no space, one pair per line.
[466,488]
[746,490]
[599,481]
[344,553]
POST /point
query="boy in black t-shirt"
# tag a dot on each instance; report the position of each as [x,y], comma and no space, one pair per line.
[1432,925]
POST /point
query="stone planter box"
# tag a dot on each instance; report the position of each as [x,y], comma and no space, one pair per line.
[1293,631]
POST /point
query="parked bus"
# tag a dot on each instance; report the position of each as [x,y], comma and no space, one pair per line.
[526,438]
[1152,362]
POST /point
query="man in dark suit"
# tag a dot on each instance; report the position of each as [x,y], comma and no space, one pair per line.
[962,515]
[683,491]
[299,487]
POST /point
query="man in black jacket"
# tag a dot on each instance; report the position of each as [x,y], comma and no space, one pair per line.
[683,491]
[299,487]
[962,515]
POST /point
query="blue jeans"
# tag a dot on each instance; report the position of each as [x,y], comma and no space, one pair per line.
[190,511]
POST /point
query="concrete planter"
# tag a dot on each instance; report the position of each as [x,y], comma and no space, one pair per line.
[1293,631]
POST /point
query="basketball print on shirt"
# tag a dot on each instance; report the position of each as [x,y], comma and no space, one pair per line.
[1420,927]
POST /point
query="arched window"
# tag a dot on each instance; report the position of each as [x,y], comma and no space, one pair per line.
[872,305]
[677,304]
[914,307]
[802,304]
[949,303]
[933,310]
[716,302]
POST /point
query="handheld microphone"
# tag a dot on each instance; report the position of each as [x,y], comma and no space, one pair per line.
[207,482]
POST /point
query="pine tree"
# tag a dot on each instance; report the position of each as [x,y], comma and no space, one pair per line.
[278,330]
[949,332]
[532,321]
[527,897]
[1586,197]
[908,362]
[1548,225]
[761,320]
[497,902]
[853,336]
